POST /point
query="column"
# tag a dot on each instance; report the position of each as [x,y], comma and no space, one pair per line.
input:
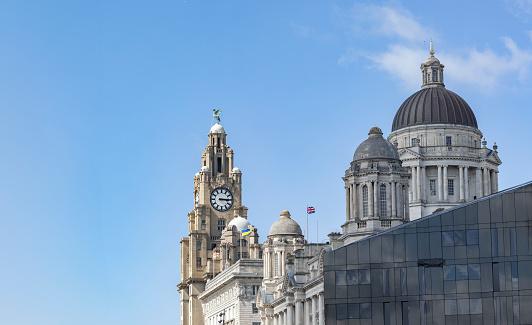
[389,200]
[479,183]
[394,199]
[347,203]
[400,201]
[321,310]
[407,204]
[418,183]
[275,320]
[299,312]
[485,179]
[370,200]
[281,263]
[281,317]
[466,181]
[314,310]
[355,201]
[414,183]
[445,185]
[359,206]
[376,199]
[496,181]
[462,187]
[423,185]
[489,181]
[289,314]
[440,184]
[268,319]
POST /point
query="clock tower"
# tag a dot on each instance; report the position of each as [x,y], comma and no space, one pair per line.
[217,200]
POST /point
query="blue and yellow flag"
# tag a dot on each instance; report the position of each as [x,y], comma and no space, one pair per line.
[246,232]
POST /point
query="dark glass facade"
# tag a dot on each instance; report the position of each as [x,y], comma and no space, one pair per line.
[468,265]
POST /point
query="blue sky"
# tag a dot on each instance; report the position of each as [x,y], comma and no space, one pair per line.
[105,108]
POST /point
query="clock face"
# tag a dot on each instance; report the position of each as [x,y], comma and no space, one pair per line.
[221,199]
[196,198]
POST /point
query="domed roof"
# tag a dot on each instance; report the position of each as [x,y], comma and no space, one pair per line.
[240,223]
[434,105]
[285,226]
[236,170]
[217,128]
[376,147]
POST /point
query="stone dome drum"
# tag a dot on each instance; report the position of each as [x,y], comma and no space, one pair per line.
[285,226]
[240,223]
[434,105]
[376,147]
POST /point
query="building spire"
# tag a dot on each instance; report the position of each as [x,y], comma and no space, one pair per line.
[431,49]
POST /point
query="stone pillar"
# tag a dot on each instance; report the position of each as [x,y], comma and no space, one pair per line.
[289,314]
[445,185]
[479,183]
[281,263]
[314,310]
[496,181]
[299,313]
[414,183]
[400,200]
[275,320]
[462,187]
[359,205]
[489,181]
[440,184]
[268,320]
[419,184]
[485,179]
[370,200]
[466,183]
[394,199]
[321,310]
[407,204]
[354,210]
[347,203]
[376,199]
[423,195]
[389,200]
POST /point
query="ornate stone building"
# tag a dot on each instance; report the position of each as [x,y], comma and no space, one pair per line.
[439,142]
[217,201]
[376,189]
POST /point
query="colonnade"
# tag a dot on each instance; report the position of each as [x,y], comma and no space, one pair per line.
[271,265]
[485,177]
[396,200]
[306,311]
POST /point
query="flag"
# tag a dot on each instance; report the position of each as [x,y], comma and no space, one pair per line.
[246,232]
[310,210]
[228,243]
[215,255]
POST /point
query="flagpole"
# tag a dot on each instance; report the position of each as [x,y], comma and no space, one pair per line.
[308,237]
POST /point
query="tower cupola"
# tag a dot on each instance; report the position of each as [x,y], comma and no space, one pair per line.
[432,71]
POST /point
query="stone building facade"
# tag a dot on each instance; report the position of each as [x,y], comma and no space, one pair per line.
[438,139]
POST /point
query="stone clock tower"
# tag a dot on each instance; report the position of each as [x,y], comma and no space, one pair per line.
[217,200]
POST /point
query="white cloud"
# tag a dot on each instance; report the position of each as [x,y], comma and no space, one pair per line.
[484,69]
[521,9]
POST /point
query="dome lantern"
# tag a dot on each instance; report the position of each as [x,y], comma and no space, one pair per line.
[432,71]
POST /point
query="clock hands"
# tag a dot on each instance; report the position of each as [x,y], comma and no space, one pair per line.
[224,199]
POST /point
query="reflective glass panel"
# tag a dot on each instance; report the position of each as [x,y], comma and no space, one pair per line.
[515,303]
[449,272]
[352,277]
[341,311]
[364,277]
[472,237]
[447,238]
[473,271]
[450,307]
[403,282]
[365,310]
[461,272]
[340,278]
[475,306]
[494,242]
[462,306]
[513,242]
[354,311]
[459,238]
[515,278]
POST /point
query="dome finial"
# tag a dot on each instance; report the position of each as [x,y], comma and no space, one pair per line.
[431,49]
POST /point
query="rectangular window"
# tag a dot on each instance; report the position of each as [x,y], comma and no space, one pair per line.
[386,311]
[447,238]
[404,307]
[423,311]
[513,242]
[244,254]
[254,308]
[473,271]
[472,237]
[365,311]
[494,242]
[404,291]
[364,277]
[449,272]
[198,261]
[432,184]
[382,205]
[238,255]
[421,274]
[385,282]
[202,227]
[460,238]
[260,255]
[515,278]
[495,273]
[198,245]
[219,164]
[461,272]
[515,304]
[448,141]
[415,142]
[450,186]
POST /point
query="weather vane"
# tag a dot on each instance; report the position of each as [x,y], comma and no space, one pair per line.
[216,115]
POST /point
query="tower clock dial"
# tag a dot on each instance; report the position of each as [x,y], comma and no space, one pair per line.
[221,199]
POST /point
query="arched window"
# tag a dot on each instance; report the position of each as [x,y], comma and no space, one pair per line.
[365,201]
[415,142]
[382,206]
[434,75]
[242,242]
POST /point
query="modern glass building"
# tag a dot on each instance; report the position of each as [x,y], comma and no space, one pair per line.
[471,264]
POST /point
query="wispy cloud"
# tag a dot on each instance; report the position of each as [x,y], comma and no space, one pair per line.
[484,69]
[521,9]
